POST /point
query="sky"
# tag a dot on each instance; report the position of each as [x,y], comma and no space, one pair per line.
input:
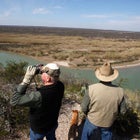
[121,15]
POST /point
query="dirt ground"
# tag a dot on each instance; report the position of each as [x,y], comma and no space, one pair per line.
[64,131]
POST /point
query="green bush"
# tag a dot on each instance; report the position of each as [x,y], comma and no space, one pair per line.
[13,72]
[127,124]
[11,118]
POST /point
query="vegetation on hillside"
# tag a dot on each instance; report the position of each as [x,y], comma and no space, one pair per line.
[15,119]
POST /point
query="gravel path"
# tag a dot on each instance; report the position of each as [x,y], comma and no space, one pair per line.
[62,132]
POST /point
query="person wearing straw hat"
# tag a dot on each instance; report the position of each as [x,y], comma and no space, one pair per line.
[101,104]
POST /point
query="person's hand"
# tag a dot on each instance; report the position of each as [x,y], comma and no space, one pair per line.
[30,73]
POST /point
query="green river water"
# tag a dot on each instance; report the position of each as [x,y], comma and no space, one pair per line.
[130,74]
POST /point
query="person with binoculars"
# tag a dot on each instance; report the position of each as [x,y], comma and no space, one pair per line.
[44,103]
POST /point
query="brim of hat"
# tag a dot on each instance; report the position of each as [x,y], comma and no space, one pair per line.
[106,78]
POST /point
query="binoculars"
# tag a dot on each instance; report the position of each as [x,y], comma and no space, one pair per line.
[38,68]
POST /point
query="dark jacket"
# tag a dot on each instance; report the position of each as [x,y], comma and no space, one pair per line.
[44,105]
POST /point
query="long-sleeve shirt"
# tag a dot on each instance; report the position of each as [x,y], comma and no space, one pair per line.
[102,103]
[44,105]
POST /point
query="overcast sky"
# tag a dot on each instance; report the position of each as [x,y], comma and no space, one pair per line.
[94,14]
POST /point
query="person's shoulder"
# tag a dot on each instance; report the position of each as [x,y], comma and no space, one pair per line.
[60,83]
[94,85]
[118,87]
[121,89]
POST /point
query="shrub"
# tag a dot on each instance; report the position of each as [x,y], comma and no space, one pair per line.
[127,124]
[11,118]
[13,72]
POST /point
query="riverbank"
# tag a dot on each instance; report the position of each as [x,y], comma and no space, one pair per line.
[129,73]
[66,63]
[72,51]
[128,65]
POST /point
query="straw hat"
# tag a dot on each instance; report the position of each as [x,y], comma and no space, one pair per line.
[106,73]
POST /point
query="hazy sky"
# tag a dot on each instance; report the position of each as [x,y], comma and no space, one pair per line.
[95,14]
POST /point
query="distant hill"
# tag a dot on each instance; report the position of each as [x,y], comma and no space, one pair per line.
[70,31]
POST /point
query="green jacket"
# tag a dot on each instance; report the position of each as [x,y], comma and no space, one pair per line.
[33,99]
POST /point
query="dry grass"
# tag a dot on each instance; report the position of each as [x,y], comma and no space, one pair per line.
[77,50]
[134,98]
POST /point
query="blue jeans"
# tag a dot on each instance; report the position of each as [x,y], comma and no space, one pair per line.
[49,135]
[92,132]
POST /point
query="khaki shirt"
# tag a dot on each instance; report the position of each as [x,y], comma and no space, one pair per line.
[103,104]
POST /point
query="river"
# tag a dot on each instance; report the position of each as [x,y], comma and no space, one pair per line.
[129,75]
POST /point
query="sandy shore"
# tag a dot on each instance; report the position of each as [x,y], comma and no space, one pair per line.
[133,64]
[67,63]
[62,63]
